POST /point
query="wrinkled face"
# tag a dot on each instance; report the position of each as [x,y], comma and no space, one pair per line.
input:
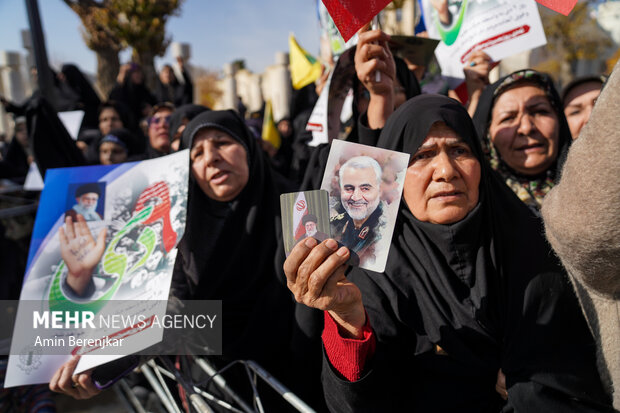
[441,185]
[578,105]
[219,164]
[108,120]
[111,153]
[359,192]
[525,129]
[88,200]
[310,228]
[159,127]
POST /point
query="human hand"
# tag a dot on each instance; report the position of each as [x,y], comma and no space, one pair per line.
[79,386]
[476,72]
[500,385]
[80,252]
[322,81]
[441,6]
[371,55]
[315,275]
[122,72]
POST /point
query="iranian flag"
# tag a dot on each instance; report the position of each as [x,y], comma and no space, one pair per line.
[301,209]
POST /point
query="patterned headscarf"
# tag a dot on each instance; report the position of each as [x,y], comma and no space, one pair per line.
[530,189]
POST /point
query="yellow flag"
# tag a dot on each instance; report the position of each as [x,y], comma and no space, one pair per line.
[270,131]
[305,69]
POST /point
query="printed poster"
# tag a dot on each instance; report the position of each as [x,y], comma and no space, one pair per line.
[104,242]
[500,28]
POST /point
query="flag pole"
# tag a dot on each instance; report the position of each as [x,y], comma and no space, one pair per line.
[374,26]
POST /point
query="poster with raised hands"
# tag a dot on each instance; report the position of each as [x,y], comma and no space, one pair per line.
[500,28]
[103,246]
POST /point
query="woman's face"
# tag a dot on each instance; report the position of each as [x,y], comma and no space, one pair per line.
[442,180]
[219,164]
[108,120]
[525,129]
[165,75]
[159,127]
[111,153]
[578,105]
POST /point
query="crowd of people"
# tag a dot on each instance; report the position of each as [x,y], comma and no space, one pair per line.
[478,308]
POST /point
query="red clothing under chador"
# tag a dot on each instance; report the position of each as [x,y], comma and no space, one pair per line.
[348,355]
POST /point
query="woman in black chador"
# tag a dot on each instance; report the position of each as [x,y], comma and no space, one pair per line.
[472,294]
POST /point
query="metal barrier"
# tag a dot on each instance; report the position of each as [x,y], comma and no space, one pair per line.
[203,401]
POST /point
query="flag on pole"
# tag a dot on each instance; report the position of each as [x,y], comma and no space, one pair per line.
[270,131]
[301,209]
[561,6]
[305,69]
[351,15]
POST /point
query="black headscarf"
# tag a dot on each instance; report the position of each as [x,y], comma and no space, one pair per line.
[51,144]
[177,93]
[189,112]
[123,112]
[122,137]
[228,251]
[530,189]
[135,95]
[88,98]
[458,302]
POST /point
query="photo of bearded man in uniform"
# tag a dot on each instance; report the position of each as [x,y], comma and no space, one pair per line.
[358,227]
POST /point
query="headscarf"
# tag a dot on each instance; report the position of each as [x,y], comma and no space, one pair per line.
[123,138]
[88,98]
[135,95]
[228,250]
[51,144]
[457,302]
[601,79]
[189,112]
[175,92]
[530,189]
[123,113]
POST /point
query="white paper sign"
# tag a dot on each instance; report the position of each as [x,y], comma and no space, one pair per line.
[72,121]
[500,28]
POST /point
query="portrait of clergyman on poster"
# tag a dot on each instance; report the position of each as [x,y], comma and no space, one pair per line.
[304,214]
[87,200]
[365,185]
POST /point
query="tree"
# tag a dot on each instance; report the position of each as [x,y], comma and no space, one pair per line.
[572,38]
[112,25]
[100,38]
[141,25]
[207,86]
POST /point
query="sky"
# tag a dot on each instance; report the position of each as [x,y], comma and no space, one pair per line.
[219,31]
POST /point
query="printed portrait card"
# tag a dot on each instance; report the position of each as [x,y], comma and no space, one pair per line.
[304,214]
[364,185]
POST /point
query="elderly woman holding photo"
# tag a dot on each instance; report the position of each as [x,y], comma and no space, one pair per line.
[471,290]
